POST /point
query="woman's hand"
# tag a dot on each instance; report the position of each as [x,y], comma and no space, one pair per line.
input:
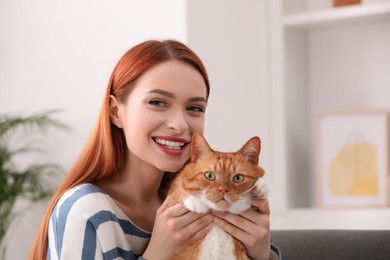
[174,227]
[251,227]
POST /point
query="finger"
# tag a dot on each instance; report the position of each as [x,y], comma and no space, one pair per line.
[237,221]
[250,221]
[199,227]
[251,215]
[194,220]
[247,232]
[165,202]
[163,206]
[258,212]
[231,228]
[203,232]
[176,210]
[200,220]
[261,205]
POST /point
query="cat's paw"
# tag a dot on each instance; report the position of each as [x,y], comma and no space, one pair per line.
[195,204]
[261,189]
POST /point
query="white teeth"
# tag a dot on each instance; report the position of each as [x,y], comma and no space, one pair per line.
[170,144]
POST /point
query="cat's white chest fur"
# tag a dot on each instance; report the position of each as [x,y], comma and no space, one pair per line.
[217,245]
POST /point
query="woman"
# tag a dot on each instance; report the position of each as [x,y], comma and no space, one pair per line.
[111,202]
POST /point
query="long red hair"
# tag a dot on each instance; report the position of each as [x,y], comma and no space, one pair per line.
[104,153]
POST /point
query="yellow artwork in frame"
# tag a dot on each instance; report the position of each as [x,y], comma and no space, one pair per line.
[352,158]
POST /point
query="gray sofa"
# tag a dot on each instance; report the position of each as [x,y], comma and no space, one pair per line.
[333,244]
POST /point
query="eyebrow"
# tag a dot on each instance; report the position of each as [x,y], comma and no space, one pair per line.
[171,95]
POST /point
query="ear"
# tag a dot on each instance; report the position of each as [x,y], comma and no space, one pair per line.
[199,147]
[251,150]
[114,112]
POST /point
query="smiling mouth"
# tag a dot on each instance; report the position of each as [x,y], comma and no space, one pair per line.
[169,144]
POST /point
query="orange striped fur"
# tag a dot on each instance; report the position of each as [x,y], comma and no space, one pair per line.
[218,181]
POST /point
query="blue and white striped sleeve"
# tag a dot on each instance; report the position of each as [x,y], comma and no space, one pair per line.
[87,224]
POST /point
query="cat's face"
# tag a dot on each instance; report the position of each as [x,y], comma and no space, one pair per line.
[222,181]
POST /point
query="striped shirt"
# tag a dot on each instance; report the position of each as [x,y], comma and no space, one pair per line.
[87,224]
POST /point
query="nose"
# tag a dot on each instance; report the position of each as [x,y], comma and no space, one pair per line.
[223,188]
[177,122]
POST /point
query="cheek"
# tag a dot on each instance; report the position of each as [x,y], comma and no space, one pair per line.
[135,127]
[139,120]
[197,124]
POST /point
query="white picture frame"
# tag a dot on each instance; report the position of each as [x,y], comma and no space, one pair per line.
[352,158]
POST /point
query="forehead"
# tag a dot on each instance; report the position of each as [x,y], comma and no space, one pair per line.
[173,76]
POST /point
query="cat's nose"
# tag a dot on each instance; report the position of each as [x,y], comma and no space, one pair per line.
[223,189]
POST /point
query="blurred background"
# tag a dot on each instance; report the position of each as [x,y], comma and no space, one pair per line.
[273,65]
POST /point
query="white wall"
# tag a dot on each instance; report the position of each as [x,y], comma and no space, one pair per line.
[359,80]
[230,37]
[59,54]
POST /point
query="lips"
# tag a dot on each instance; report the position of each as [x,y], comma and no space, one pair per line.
[171,145]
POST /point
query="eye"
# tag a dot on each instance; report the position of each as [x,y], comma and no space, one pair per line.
[209,176]
[196,109]
[238,178]
[157,103]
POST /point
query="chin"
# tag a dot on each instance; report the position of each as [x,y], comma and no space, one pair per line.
[170,164]
[172,168]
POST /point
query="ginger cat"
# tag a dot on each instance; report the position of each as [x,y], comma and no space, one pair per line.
[218,181]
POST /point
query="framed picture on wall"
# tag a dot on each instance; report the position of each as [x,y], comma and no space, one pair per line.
[352,158]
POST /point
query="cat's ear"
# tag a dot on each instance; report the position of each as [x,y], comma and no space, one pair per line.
[251,150]
[199,147]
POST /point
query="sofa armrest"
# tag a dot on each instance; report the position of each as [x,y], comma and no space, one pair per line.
[332,244]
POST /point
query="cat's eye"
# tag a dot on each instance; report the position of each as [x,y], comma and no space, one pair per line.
[209,176]
[238,178]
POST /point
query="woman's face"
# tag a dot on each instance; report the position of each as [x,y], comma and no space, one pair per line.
[166,106]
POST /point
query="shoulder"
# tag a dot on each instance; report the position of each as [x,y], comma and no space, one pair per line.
[87,207]
[84,200]
[86,221]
